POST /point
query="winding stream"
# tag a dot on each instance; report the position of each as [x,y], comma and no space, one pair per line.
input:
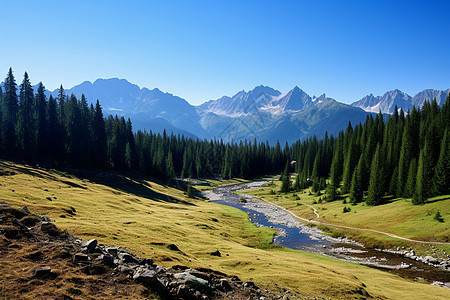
[296,235]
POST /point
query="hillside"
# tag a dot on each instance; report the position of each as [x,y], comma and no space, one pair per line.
[145,217]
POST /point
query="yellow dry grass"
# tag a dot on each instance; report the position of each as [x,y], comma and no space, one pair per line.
[145,216]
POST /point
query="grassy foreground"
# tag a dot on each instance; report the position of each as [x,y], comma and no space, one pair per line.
[146,218]
[399,217]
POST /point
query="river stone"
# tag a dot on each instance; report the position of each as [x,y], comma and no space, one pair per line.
[430,260]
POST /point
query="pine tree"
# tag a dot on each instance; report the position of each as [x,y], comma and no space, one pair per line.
[53,139]
[40,116]
[286,181]
[405,158]
[170,170]
[419,194]
[424,171]
[9,114]
[349,167]
[441,176]
[25,120]
[376,184]
[356,191]
[99,154]
[411,181]
[335,176]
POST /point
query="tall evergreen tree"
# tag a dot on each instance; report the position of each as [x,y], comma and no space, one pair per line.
[424,175]
[170,170]
[40,116]
[25,120]
[441,176]
[286,179]
[356,190]
[410,186]
[376,184]
[335,176]
[99,137]
[9,113]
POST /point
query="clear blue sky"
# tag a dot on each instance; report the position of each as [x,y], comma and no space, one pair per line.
[202,50]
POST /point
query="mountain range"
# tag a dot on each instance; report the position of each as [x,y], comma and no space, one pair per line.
[262,113]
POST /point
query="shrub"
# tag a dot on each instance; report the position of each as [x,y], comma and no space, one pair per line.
[438,217]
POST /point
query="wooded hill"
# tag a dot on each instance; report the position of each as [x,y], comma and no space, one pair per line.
[406,156]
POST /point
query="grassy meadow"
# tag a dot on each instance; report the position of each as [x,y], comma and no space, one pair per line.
[148,218]
[399,217]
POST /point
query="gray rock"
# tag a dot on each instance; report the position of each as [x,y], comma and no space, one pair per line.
[430,260]
[42,271]
[125,268]
[145,276]
[90,245]
[112,251]
[107,259]
[224,284]
[127,258]
[80,257]
[193,281]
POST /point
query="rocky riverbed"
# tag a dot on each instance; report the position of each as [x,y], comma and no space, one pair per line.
[295,234]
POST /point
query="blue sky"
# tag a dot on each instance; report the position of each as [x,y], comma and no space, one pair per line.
[202,50]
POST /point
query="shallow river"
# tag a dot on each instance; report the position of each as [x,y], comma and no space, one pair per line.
[295,235]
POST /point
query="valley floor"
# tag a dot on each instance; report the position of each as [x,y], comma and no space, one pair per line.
[148,217]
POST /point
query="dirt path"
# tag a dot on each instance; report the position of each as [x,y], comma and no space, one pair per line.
[347,227]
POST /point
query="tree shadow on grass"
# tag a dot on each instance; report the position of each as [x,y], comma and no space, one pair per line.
[131,185]
[135,184]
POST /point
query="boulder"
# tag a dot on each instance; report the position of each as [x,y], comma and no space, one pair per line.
[90,245]
[42,271]
[430,260]
[128,258]
[107,260]
[145,276]
[80,257]
[112,251]
[193,281]
[224,284]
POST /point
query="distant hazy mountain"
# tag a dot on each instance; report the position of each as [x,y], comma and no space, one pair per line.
[118,96]
[241,103]
[266,114]
[387,102]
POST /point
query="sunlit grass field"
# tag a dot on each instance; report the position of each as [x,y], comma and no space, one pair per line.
[146,217]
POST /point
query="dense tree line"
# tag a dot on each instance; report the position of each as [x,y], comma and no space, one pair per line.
[408,155]
[66,130]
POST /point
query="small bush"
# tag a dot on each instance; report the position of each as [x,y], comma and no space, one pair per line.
[346,209]
[438,217]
